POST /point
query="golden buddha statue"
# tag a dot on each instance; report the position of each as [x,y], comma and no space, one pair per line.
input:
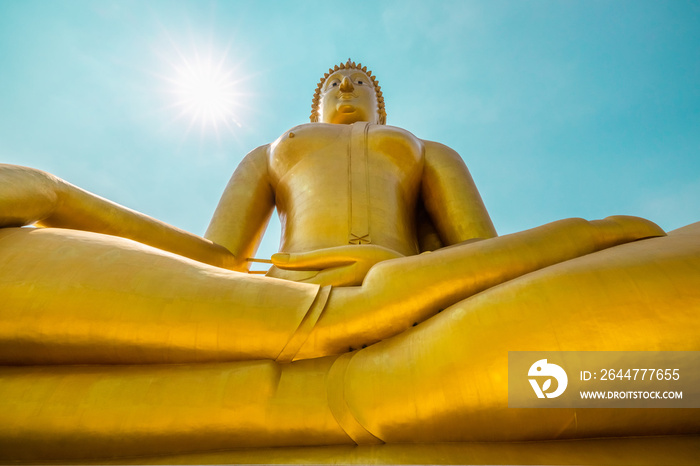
[387,316]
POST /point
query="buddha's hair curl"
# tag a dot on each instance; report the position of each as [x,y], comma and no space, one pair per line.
[348,65]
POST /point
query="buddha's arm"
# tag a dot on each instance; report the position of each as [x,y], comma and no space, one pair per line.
[245,208]
[30,196]
[451,198]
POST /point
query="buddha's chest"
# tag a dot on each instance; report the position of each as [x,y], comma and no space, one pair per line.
[336,153]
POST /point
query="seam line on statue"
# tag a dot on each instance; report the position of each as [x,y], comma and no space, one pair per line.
[301,334]
[368,197]
[338,405]
[349,157]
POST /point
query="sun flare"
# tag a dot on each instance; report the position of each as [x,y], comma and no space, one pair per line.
[206,92]
[205,89]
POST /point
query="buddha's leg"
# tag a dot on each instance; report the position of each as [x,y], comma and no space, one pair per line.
[80,297]
[398,293]
[92,412]
[77,297]
[446,379]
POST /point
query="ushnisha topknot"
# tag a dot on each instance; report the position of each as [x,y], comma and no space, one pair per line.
[352,66]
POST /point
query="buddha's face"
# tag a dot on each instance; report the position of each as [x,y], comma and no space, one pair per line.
[348,96]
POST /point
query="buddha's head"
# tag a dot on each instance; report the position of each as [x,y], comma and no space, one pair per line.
[346,94]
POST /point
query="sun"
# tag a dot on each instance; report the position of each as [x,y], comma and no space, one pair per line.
[205,89]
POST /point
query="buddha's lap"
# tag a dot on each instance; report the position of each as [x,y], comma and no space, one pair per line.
[189,281]
[81,297]
[647,293]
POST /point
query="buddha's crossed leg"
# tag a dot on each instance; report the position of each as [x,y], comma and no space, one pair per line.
[78,297]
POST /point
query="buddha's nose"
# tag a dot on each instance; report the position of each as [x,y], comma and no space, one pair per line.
[346,85]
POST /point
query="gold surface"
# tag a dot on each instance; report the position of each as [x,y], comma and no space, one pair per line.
[122,337]
[653,451]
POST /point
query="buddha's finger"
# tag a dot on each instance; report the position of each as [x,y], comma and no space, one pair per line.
[313,260]
[334,257]
[345,275]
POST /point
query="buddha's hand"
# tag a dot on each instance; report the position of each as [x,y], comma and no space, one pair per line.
[338,266]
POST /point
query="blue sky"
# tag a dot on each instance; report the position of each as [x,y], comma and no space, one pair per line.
[559,108]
